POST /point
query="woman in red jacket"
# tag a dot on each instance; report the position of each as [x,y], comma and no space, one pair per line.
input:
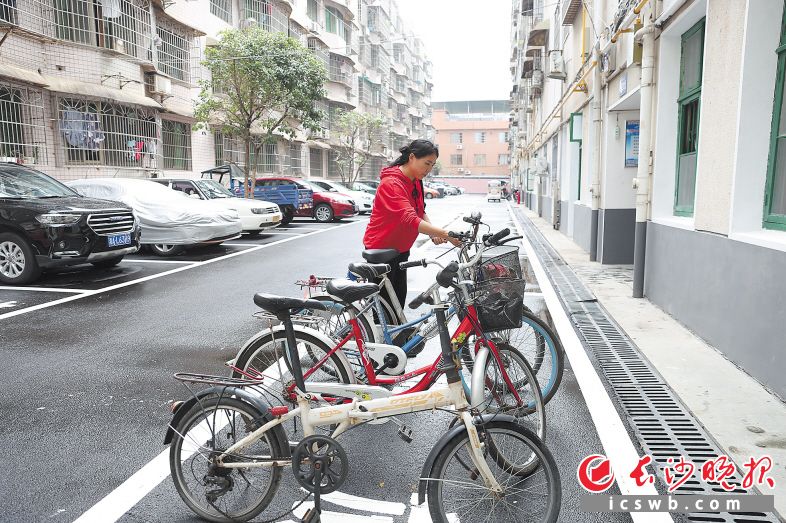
[399,213]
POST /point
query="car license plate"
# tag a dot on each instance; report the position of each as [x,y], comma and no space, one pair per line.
[118,239]
[275,219]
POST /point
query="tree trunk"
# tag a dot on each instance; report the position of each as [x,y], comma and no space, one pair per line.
[249,192]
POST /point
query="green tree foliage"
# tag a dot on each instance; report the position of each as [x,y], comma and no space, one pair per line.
[261,83]
[359,136]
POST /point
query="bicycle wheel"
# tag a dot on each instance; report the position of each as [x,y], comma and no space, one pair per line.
[336,324]
[266,356]
[496,396]
[217,493]
[457,492]
[543,350]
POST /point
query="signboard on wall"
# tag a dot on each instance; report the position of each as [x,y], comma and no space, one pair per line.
[632,143]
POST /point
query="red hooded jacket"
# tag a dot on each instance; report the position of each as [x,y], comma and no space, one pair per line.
[399,207]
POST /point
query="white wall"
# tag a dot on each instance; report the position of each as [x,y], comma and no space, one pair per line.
[757,89]
[617,188]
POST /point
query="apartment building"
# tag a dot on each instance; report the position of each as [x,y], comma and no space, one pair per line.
[473,138]
[656,141]
[107,87]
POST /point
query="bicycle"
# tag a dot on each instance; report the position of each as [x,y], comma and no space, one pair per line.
[519,394]
[223,437]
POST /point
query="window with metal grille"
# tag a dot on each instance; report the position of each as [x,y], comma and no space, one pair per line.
[297,32]
[320,50]
[176,137]
[270,158]
[72,20]
[456,159]
[9,13]
[503,159]
[480,137]
[338,72]
[334,22]
[691,61]
[456,138]
[295,160]
[174,51]
[312,10]
[22,125]
[775,189]
[269,16]
[222,9]
[333,171]
[229,149]
[101,133]
[315,162]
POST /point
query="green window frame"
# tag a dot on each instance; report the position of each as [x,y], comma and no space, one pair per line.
[576,132]
[689,112]
[775,188]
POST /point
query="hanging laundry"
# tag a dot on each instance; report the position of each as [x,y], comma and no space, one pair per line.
[110,8]
[81,130]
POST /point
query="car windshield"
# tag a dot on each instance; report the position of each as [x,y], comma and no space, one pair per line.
[212,189]
[323,186]
[27,183]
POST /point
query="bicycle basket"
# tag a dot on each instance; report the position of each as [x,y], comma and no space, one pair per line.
[499,263]
[500,304]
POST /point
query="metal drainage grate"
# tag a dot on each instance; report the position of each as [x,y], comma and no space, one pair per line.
[664,426]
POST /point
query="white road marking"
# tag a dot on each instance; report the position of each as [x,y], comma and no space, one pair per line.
[165,273]
[8,304]
[43,289]
[365,504]
[136,260]
[612,433]
[338,517]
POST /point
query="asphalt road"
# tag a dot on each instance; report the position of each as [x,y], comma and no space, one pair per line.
[88,362]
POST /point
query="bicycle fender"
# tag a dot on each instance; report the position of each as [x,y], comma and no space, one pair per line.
[428,466]
[228,392]
[278,330]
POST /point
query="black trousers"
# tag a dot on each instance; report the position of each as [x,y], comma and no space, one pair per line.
[398,278]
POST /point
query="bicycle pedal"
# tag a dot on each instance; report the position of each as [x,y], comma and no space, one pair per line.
[405,433]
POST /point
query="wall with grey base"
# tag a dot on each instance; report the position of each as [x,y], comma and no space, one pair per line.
[616,230]
[564,207]
[546,214]
[728,292]
[582,222]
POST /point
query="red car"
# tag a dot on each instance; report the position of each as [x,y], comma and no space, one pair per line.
[328,206]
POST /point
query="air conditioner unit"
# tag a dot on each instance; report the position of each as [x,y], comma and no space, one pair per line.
[556,68]
[314,28]
[161,85]
[459,147]
[460,169]
[467,172]
[537,79]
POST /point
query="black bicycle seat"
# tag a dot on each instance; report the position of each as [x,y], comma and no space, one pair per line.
[369,271]
[380,255]
[348,291]
[278,304]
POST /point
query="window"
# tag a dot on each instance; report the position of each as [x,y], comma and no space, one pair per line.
[480,159]
[688,118]
[268,16]
[480,137]
[456,138]
[99,133]
[22,124]
[503,137]
[456,159]
[295,160]
[315,162]
[176,137]
[222,9]
[503,159]
[269,158]
[334,23]
[775,190]
[185,187]
[333,170]
[174,53]
[229,150]
[72,20]
[312,10]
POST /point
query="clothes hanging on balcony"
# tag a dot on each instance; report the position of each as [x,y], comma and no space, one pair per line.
[81,130]
[110,8]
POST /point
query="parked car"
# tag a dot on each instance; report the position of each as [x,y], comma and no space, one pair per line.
[170,221]
[374,184]
[494,192]
[430,193]
[365,187]
[44,224]
[291,198]
[435,187]
[328,206]
[255,215]
[363,200]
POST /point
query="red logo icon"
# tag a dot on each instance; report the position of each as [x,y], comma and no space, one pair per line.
[595,473]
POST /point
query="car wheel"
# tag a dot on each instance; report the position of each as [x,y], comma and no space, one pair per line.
[18,265]
[429,196]
[109,262]
[286,216]
[323,213]
[166,249]
[254,234]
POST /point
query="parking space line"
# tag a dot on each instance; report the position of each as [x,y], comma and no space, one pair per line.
[43,289]
[242,244]
[134,260]
[279,232]
[165,273]
[614,437]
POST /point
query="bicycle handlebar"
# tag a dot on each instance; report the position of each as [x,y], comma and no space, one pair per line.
[414,263]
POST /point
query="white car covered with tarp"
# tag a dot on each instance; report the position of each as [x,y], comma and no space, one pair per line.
[170,221]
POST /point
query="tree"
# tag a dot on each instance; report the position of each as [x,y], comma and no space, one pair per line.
[437,167]
[359,136]
[261,83]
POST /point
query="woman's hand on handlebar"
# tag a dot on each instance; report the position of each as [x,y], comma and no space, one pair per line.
[438,240]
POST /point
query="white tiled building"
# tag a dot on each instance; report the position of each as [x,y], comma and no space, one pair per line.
[106,87]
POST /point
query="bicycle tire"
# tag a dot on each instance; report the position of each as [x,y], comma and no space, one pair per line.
[496,397]
[450,462]
[543,350]
[193,428]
